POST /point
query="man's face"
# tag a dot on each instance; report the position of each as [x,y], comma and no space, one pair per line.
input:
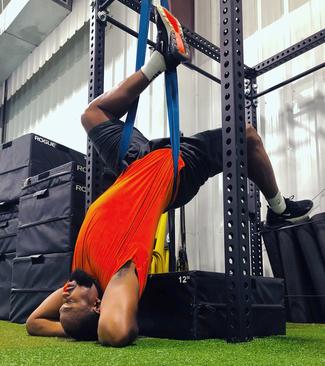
[79,295]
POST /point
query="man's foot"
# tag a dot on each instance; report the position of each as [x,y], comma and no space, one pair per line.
[295,212]
[170,38]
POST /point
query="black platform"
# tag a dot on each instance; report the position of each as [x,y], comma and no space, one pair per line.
[34,278]
[51,210]
[192,305]
[8,228]
[297,254]
[6,262]
[27,156]
[8,235]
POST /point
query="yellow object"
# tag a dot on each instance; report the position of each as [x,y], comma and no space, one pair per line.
[160,255]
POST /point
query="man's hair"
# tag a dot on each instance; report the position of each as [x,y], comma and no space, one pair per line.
[82,327]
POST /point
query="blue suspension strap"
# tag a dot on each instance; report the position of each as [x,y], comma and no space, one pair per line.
[171,94]
[171,83]
[141,55]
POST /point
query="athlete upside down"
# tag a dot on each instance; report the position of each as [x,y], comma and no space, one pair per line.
[114,246]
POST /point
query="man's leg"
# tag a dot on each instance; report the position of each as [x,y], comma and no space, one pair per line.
[116,103]
[202,154]
[281,210]
[171,49]
[260,170]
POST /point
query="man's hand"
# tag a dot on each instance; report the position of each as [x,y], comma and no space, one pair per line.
[44,321]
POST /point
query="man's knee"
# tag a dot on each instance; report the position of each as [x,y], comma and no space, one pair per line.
[86,120]
[254,141]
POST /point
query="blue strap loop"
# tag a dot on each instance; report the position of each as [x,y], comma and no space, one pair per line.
[171,83]
[141,55]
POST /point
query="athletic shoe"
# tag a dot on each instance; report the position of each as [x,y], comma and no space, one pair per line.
[296,211]
[170,38]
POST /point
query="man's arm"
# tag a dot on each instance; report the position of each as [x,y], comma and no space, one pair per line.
[44,321]
[117,325]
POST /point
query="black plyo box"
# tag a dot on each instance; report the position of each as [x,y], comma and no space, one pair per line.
[8,228]
[6,261]
[51,210]
[192,305]
[29,155]
[33,279]
[297,254]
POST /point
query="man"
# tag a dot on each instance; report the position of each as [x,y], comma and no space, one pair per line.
[114,246]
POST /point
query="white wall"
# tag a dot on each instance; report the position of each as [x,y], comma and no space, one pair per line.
[51,101]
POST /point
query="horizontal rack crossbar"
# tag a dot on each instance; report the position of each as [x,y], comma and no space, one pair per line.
[290,80]
[193,39]
[153,44]
[105,4]
[290,53]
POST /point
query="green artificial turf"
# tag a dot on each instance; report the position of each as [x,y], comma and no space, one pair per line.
[303,345]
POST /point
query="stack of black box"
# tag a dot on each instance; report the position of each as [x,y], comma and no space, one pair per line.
[8,233]
[297,254]
[42,193]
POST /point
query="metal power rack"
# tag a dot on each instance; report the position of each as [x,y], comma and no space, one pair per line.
[243,248]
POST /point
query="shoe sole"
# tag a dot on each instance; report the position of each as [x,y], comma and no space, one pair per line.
[288,222]
[298,219]
[174,32]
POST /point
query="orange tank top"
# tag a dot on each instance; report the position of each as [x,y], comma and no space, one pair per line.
[121,224]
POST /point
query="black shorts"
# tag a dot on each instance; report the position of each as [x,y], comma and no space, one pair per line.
[202,154]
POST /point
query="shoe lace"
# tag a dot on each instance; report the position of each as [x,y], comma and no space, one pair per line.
[291,198]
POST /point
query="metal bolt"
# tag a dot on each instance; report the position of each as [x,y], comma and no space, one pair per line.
[255,86]
[102,15]
[255,102]
[247,90]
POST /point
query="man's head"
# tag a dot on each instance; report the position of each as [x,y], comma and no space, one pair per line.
[79,313]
